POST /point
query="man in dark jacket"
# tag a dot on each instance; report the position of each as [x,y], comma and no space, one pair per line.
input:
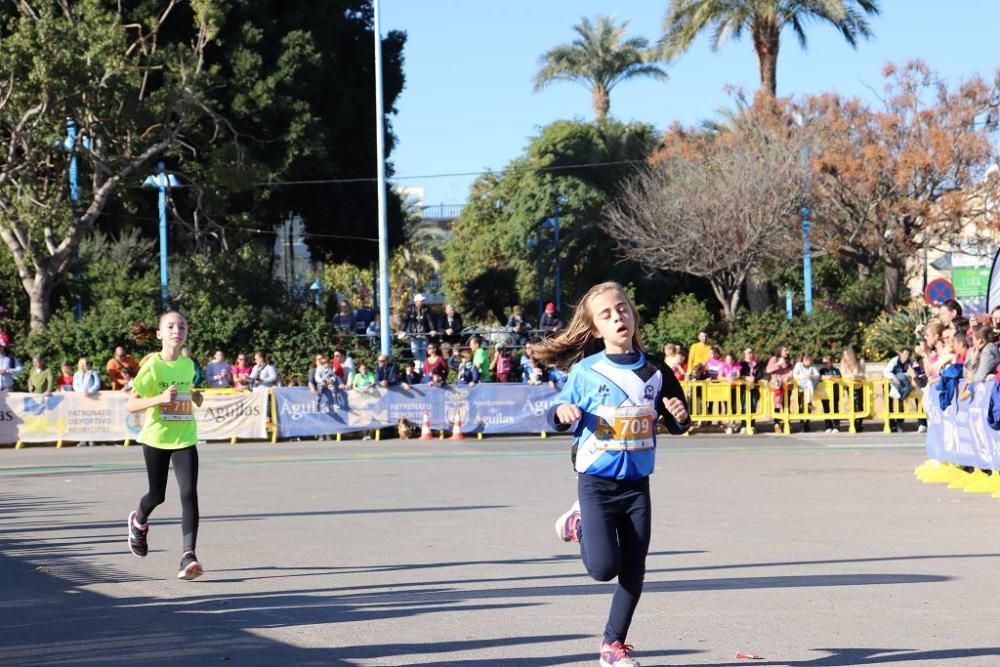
[419,326]
[450,326]
[385,372]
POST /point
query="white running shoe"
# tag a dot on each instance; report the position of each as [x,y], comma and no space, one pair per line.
[568,524]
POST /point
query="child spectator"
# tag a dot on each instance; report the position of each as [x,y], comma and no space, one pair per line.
[437,378]
[806,378]
[40,378]
[467,374]
[829,371]
[410,375]
[698,372]
[321,383]
[65,379]
[481,359]
[502,363]
[126,375]
[779,371]
[364,379]
[852,370]
[714,365]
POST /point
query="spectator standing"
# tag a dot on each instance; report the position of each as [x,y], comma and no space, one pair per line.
[347,363]
[5,337]
[241,372]
[323,384]
[986,359]
[480,358]
[827,371]
[450,326]
[40,378]
[698,353]
[550,324]
[715,364]
[363,317]
[852,370]
[947,313]
[263,375]
[418,325]
[434,363]
[344,319]
[502,363]
[385,372]
[220,373]
[65,379]
[752,372]
[86,379]
[519,327]
[116,363]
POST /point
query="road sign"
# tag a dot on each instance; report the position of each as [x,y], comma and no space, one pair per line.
[938,291]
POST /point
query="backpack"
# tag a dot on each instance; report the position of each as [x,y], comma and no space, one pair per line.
[503,364]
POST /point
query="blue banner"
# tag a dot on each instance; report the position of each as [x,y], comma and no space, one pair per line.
[483,408]
[959,434]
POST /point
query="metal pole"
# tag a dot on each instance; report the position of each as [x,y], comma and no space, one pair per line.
[383,225]
[558,253]
[788,304]
[74,197]
[538,272]
[161,186]
[807,280]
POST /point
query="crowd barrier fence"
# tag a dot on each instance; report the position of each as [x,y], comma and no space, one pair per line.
[487,408]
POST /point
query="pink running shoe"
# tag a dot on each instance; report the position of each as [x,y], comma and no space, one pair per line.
[568,525]
[190,567]
[617,654]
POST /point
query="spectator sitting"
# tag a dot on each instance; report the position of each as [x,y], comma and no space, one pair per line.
[40,378]
[363,317]
[550,324]
[220,373]
[65,379]
[186,351]
[116,363]
[779,371]
[828,371]
[374,328]
[899,371]
[699,351]
[467,373]
[241,373]
[806,378]
[519,328]
[502,364]
[434,363]
[450,326]
[410,375]
[263,375]
[557,377]
[344,319]
[385,372]
[480,358]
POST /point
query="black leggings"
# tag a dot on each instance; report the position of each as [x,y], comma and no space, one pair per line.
[615,520]
[186,471]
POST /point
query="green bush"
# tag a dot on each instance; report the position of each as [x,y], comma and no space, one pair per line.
[891,331]
[680,323]
[827,331]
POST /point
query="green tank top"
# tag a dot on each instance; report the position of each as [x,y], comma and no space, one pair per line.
[169,426]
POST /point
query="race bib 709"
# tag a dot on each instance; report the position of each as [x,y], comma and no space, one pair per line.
[625,427]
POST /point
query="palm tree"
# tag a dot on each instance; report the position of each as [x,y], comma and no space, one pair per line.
[599,58]
[764,19]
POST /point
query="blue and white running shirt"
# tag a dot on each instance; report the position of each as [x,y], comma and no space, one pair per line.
[616,435]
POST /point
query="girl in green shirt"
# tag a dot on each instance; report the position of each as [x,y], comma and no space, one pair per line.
[163,390]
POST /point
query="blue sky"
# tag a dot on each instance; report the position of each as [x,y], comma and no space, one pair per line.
[469,106]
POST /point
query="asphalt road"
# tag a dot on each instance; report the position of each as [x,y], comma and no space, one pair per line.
[817,550]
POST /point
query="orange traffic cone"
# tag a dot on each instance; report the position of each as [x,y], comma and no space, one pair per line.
[425,428]
[456,429]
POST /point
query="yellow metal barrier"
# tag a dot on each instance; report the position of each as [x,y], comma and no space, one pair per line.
[722,400]
[833,399]
[889,414]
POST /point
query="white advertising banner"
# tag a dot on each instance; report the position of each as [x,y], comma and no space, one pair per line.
[73,416]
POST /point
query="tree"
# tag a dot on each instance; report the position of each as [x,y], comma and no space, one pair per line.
[568,160]
[764,19]
[715,206]
[132,97]
[599,59]
[906,176]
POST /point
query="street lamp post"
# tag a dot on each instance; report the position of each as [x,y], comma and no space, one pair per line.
[162,181]
[69,146]
[807,281]
[536,244]
[317,289]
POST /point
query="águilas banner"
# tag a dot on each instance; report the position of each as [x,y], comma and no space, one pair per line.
[102,417]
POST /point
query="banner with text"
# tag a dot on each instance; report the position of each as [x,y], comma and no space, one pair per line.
[959,434]
[483,408]
[102,417]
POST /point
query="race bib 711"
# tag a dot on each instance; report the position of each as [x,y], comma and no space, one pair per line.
[178,410]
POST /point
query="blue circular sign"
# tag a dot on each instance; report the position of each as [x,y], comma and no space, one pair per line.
[939,290]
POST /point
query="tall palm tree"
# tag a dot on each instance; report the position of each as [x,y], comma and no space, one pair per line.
[599,58]
[764,19]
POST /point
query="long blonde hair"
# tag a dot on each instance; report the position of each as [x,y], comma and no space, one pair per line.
[578,340]
[850,366]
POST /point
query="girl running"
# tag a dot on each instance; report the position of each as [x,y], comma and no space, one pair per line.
[615,397]
[162,389]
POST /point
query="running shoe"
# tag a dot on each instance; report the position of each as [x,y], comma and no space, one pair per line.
[137,537]
[568,525]
[617,654]
[190,567]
